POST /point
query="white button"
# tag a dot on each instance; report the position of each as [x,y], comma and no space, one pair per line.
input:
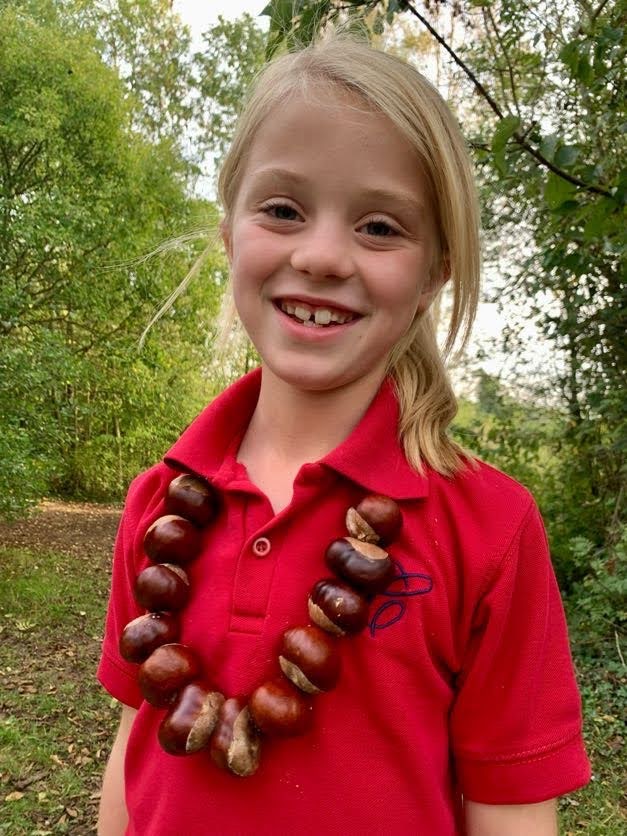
[261,546]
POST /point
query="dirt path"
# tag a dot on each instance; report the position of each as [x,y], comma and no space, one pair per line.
[73,528]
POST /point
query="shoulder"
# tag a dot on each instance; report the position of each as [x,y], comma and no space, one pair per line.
[481,490]
[481,516]
[147,486]
[143,502]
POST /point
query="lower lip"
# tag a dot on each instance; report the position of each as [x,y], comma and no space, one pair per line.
[312,332]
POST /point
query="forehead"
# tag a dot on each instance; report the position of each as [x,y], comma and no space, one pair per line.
[325,133]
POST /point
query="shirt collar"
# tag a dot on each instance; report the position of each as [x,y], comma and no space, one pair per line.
[201,448]
[371,456]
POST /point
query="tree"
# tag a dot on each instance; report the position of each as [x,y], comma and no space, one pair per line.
[233,53]
[105,116]
[81,192]
[147,44]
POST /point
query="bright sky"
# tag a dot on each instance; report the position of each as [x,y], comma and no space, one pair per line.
[199,14]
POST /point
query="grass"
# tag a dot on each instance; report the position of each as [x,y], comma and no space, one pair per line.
[56,723]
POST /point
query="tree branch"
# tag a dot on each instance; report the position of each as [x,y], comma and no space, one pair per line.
[29,155]
[405,4]
[499,69]
[598,11]
[518,137]
[510,69]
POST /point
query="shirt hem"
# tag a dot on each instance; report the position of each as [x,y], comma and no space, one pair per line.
[531,780]
[117,682]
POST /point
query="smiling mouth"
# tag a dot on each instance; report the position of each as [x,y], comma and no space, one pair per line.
[313,316]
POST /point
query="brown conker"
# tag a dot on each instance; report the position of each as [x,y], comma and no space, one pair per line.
[310,659]
[364,565]
[166,672]
[359,528]
[235,744]
[279,709]
[191,497]
[381,514]
[337,607]
[187,727]
[172,539]
[163,586]
[145,634]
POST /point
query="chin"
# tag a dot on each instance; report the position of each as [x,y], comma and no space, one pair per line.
[310,379]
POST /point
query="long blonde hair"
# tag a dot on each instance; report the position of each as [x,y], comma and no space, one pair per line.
[396,89]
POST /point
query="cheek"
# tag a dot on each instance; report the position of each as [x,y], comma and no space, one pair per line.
[399,288]
[251,256]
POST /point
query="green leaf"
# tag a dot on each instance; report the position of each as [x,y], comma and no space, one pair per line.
[566,208]
[281,14]
[504,130]
[569,54]
[548,146]
[310,21]
[566,156]
[584,71]
[499,158]
[597,218]
[394,7]
[557,190]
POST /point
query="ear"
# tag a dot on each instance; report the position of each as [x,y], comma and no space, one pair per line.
[438,277]
[225,233]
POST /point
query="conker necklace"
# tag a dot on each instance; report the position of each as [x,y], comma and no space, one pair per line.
[170,674]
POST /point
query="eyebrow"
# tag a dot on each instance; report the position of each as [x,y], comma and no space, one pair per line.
[376,195]
[400,198]
[278,175]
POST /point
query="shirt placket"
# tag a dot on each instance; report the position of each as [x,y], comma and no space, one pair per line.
[261,543]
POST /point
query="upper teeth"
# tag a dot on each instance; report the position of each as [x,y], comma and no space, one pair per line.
[321,316]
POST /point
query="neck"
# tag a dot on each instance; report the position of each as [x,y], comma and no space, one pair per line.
[307,425]
[291,426]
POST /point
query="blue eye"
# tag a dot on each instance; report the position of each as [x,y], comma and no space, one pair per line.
[281,211]
[379,229]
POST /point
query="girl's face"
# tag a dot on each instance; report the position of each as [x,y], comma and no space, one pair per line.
[332,242]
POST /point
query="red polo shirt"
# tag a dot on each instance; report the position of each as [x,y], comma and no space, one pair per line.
[461,684]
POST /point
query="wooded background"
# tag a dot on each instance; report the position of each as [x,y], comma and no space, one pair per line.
[108,117]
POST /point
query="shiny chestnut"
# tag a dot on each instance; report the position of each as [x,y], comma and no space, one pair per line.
[279,709]
[163,586]
[310,659]
[235,744]
[337,607]
[187,727]
[172,539]
[166,672]
[364,565]
[145,634]
[191,497]
[381,514]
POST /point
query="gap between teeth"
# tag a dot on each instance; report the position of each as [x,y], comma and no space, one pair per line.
[315,316]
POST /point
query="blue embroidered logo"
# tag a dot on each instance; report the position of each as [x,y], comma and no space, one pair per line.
[412,584]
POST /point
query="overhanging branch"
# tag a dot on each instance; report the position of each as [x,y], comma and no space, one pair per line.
[517,136]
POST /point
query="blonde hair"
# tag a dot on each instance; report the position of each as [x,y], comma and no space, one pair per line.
[391,86]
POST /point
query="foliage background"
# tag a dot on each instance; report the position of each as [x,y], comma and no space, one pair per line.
[107,119]
[105,115]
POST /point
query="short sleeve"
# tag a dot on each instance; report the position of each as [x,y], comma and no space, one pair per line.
[516,721]
[118,676]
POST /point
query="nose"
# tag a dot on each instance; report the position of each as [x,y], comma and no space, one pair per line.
[323,250]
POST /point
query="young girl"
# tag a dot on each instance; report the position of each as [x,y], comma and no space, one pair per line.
[450,706]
